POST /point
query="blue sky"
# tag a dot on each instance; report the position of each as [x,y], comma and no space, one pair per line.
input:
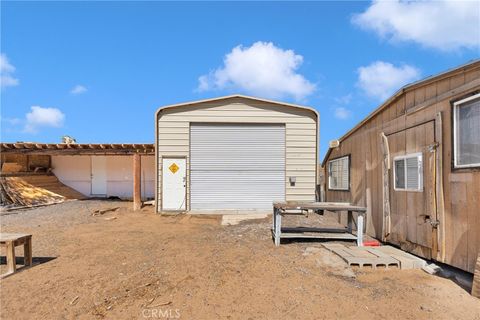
[97,71]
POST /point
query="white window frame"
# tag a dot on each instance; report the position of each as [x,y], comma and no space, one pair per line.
[348,178]
[419,157]
[457,106]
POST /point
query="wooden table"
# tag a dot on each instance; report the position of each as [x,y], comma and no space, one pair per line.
[12,240]
[295,208]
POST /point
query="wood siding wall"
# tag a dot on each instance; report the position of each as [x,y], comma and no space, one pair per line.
[419,104]
[173,137]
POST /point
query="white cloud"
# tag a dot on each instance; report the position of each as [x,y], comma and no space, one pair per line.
[342,113]
[381,79]
[6,73]
[262,69]
[78,89]
[444,25]
[43,117]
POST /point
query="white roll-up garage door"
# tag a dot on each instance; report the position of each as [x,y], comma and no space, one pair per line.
[237,166]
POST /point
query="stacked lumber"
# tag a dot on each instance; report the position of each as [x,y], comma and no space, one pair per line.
[51,183]
[31,191]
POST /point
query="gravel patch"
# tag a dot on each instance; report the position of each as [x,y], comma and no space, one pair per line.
[47,224]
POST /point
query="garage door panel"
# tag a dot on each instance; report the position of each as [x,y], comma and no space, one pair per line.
[237,166]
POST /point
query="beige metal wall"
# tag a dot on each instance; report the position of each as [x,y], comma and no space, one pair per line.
[419,104]
[173,136]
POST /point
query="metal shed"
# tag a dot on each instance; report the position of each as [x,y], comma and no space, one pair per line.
[234,153]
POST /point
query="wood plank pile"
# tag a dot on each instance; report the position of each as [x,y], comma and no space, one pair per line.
[51,183]
[31,191]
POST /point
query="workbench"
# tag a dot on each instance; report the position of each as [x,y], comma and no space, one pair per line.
[12,240]
[281,209]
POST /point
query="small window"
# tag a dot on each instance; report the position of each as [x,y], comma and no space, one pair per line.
[408,172]
[339,174]
[466,128]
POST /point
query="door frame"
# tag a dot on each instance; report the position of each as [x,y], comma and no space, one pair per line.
[187,206]
[437,118]
[437,236]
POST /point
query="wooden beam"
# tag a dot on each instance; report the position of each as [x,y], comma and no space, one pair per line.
[387,224]
[439,191]
[63,148]
[137,183]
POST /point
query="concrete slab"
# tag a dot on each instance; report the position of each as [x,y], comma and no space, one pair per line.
[234,219]
[230,212]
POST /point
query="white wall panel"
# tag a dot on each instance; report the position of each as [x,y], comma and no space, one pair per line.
[75,172]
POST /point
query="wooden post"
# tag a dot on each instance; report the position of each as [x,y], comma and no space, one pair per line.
[137,183]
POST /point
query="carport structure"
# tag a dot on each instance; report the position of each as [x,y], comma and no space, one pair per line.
[94,162]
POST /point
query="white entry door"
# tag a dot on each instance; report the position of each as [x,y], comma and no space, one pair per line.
[174,182]
[99,175]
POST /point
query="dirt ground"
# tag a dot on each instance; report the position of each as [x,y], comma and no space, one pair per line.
[145,266]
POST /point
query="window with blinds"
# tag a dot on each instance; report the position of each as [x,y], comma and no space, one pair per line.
[408,172]
[466,128]
[339,173]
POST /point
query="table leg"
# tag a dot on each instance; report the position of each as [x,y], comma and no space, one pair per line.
[350,222]
[278,228]
[27,252]
[274,220]
[360,230]
[11,261]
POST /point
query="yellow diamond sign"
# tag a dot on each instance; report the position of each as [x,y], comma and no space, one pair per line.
[174,168]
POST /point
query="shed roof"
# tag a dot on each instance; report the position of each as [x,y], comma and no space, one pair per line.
[237,96]
[402,90]
[76,148]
